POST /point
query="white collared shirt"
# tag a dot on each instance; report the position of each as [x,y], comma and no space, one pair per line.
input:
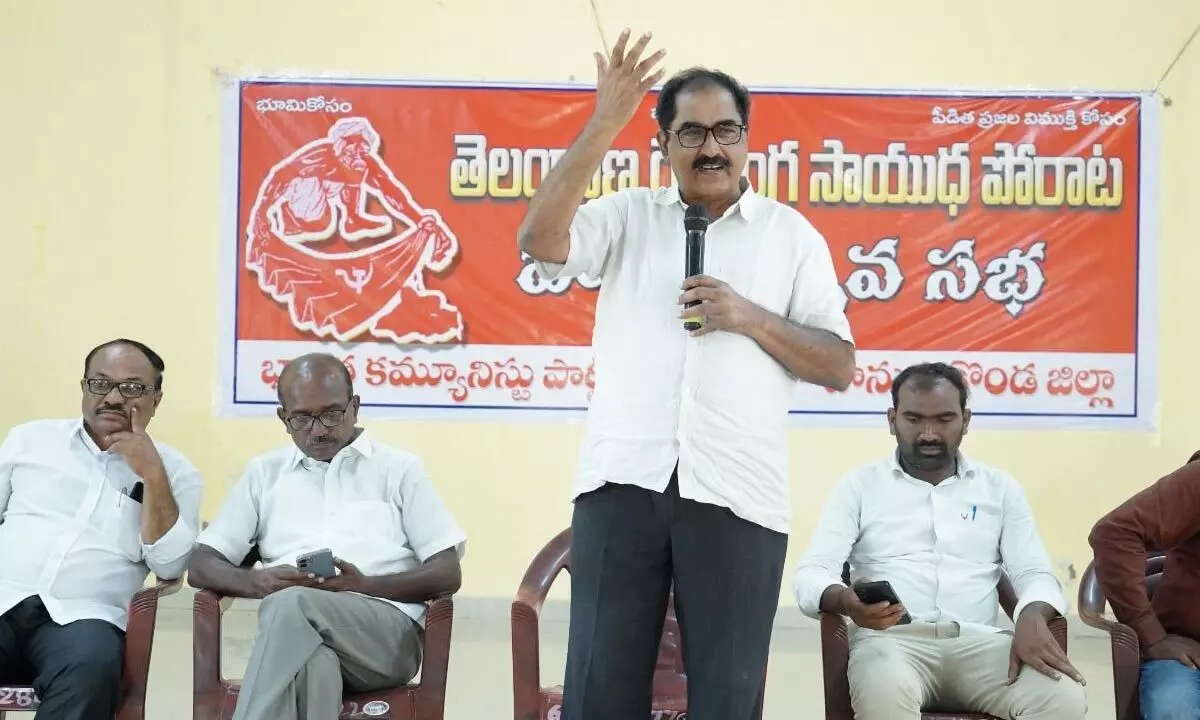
[717,404]
[70,533]
[940,546]
[371,505]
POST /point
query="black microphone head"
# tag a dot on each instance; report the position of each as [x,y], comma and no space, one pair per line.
[695,218]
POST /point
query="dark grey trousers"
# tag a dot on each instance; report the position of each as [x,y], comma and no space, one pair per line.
[74,668]
[628,545]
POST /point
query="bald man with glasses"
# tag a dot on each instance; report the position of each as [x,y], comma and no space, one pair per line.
[374,508]
[89,506]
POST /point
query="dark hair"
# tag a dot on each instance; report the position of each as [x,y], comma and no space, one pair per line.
[925,375]
[155,360]
[695,79]
[308,361]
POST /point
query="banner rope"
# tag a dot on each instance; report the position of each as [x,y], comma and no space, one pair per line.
[1183,49]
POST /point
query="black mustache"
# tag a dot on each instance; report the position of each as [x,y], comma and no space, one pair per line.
[111,408]
[709,160]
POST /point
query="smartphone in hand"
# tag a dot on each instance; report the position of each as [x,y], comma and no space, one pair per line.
[317,562]
[880,591]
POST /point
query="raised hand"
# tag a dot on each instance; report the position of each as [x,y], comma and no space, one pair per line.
[136,447]
[623,78]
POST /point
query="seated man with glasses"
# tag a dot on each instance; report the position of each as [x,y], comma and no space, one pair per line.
[395,546]
[88,507]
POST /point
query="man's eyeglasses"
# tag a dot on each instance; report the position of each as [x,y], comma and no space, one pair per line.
[329,418]
[129,389]
[693,136]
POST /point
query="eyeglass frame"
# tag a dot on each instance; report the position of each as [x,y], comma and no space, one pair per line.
[314,419]
[741,128]
[86,384]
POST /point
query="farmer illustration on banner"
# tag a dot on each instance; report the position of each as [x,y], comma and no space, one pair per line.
[320,192]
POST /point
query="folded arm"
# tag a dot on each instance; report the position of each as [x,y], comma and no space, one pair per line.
[174,513]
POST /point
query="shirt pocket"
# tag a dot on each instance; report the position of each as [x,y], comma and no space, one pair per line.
[981,523]
[122,524]
[371,519]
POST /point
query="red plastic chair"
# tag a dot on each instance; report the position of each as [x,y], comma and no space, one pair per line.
[214,696]
[835,657]
[1126,649]
[532,701]
[139,640]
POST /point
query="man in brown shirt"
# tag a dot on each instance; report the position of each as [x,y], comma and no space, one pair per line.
[1163,517]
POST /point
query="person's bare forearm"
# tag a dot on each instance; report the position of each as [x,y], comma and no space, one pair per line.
[545,232]
[1038,607]
[159,509]
[441,575]
[831,600]
[209,570]
[814,356]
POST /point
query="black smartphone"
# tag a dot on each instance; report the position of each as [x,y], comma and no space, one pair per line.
[317,562]
[880,591]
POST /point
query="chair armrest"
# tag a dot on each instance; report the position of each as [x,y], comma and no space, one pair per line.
[526,657]
[1096,619]
[139,636]
[207,607]
[1058,628]
[1126,661]
[835,659]
[439,625]
[1127,670]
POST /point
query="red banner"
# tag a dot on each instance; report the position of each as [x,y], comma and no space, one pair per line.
[1009,234]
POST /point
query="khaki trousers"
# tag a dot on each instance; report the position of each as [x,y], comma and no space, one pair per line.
[310,641]
[897,673]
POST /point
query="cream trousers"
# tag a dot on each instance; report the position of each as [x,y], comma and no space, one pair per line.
[896,673]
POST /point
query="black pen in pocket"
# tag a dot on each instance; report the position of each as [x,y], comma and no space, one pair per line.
[135,493]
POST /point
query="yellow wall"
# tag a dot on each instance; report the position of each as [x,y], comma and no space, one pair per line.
[110,125]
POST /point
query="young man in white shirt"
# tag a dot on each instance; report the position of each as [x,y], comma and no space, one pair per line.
[395,543]
[88,507]
[939,528]
[683,472]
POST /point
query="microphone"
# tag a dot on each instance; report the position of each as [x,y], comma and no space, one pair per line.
[695,222]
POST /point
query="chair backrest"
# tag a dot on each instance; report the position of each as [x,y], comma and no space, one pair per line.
[1091,595]
[554,558]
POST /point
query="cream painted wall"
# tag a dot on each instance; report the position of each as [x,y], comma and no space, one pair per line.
[111,189]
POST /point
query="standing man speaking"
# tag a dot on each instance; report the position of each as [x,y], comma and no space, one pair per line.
[683,471]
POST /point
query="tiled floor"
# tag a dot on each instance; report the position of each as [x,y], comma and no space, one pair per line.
[481,669]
